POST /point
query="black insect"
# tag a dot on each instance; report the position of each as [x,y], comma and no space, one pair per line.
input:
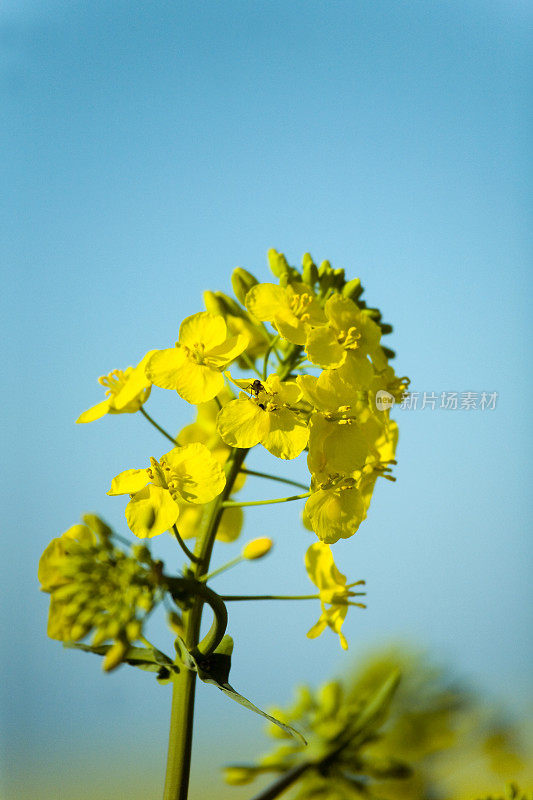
[256,387]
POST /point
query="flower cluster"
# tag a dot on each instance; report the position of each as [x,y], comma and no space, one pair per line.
[95,587]
[296,365]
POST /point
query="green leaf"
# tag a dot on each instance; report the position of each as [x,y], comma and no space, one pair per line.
[215,669]
[140,657]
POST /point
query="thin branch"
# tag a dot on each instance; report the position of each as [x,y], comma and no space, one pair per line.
[190,555]
[273,478]
[158,427]
[233,504]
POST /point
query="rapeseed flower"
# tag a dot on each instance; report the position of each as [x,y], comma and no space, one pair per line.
[292,310]
[333,589]
[335,508]
[194,366]
[348,331]
[269,417]
[189,473]
[127,390]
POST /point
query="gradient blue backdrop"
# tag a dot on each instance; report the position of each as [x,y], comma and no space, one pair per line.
[147,149]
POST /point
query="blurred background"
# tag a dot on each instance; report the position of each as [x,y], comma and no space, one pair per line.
[149,148]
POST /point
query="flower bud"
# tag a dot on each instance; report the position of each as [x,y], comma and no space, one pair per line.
[277,263]
[242,281]
[353,289]
[114,656]
[257,548]
[309,271]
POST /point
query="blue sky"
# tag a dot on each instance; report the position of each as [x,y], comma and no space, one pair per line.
[146,150]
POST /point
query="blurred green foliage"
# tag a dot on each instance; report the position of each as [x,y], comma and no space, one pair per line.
[396,728]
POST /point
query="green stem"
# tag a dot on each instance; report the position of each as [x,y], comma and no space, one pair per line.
[184,683]
[234,597]
[246,471]
[158,427]
[286,780]
[223,568]
[250,364]
[267,355]
[233,504]
[190,555]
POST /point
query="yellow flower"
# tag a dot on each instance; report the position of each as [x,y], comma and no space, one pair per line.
[49,574]
[194,366]
[126,392]
[340,438]
[268,417]
[348,330]
[188,473]
[333,590]
[335,509]
[292,310]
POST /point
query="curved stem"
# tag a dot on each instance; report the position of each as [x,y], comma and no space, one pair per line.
[158,427]
[190,555]
[233,504]
[246,471]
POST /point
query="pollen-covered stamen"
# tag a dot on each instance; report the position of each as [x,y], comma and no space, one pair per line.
[196,353]
[159,473]
[115,381]
[341,416]
[299,303]
[349,339]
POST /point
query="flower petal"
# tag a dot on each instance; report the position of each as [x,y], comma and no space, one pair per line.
[334,514]
[265,300]
[151,511]
[198,476]
[287,436]
[198,383]
[228,351]
[129,482]
[162,366]
[323,349]
[203,328]
[242,423]
[136,382]
[95,412]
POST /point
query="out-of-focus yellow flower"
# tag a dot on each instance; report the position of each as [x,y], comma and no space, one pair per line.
[96,587]
[292,310]
[348,330]
[333,590]
[268,417]
[188,473]
[194,366]
[127,390]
